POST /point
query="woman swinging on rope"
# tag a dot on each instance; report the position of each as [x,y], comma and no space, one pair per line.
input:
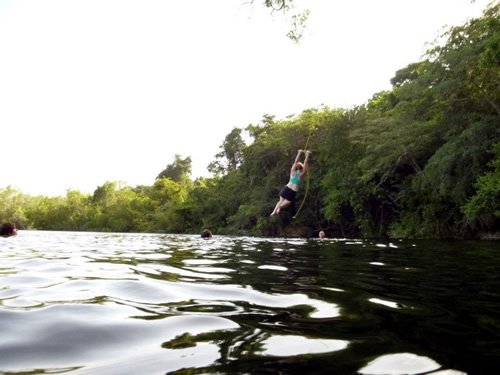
[287,194]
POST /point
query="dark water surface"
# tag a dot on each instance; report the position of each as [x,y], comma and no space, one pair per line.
[90,303]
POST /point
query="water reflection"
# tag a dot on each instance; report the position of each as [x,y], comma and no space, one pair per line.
[288,345]
[400,363]
[146,303]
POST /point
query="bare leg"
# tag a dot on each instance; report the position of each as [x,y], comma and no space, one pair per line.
[281,204]
[277,207]
[284,204]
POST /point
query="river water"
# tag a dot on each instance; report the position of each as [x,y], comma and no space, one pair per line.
[95,303]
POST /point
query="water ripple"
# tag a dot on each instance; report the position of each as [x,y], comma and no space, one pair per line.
[94,303]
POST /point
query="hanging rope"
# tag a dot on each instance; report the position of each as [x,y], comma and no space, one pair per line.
[307,179]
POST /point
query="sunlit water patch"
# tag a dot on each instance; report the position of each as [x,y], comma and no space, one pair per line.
[288,345]
[400,363]
[108,303]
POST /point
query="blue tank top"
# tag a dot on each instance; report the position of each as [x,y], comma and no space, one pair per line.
[295,179]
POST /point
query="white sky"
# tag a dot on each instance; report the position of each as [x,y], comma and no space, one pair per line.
[110,90]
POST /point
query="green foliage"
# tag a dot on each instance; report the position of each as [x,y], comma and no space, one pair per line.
[483,208]
[298,20]
[231,154]
[178,171]
[13,206]
[470,63]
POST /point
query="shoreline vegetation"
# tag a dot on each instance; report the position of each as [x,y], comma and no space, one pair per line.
[421,160]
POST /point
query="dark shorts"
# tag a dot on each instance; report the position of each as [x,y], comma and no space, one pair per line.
[288,194]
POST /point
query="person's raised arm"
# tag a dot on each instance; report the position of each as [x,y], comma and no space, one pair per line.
[305,162]
[292,170]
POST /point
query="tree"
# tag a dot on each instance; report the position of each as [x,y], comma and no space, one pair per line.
[231,154]
[178,171]
[13,207]
[470,61]
[483,208]
[298,20]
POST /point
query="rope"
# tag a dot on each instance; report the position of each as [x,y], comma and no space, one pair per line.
[307,180]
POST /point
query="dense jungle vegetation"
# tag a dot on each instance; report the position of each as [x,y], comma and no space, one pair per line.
[421,160]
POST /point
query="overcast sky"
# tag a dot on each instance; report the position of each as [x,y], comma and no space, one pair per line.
[110,90]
